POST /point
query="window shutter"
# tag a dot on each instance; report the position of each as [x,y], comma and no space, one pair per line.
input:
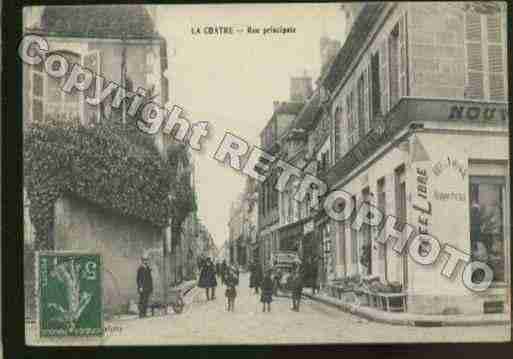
[403,87]
[384,76]
[495,57]
[91,114]
[475,69]
[366,99]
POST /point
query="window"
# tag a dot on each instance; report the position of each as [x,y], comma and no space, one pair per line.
[376,90]
[485,44]
[48,100]
[400,210]
[352,130]
[361,110]
[366,244]
[384,77]
[487,201]
[340,131]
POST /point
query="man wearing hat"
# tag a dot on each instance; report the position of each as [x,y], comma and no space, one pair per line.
[144,285]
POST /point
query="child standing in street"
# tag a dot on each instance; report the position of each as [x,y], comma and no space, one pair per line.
[231,293]
[267,291]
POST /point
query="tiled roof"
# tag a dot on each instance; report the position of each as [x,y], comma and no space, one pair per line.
[360,31]
[100,21]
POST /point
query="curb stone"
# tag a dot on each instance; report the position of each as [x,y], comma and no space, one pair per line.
[420,322]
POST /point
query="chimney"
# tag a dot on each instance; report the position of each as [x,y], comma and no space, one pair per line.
[300,88]
[329,49]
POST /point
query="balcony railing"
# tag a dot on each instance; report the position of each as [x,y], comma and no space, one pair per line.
[407,111]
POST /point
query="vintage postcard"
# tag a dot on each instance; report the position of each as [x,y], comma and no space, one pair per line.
[266,173]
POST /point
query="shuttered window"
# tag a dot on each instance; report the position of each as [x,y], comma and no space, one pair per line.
[403,58]
[393,46]
[352,130]
[485,51]
[361,110]
[376,87]
[384,77]
[340,131]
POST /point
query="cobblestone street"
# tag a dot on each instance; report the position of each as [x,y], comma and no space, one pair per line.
[208,323]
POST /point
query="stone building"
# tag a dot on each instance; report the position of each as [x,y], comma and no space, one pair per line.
[120,43]
[417,109]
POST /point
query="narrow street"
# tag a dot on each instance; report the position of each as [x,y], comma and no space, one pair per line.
[208,323]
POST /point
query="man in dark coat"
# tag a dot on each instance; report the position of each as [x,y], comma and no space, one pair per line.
[297,288]
[208,280]
[144,285]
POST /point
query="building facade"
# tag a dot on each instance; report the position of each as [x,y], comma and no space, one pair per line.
[419,129]
[121,44]
[409,116]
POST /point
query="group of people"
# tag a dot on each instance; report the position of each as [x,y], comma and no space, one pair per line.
[271,281]
[229,277]
[265,285]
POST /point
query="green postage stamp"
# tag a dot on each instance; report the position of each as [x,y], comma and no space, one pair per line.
[69,294]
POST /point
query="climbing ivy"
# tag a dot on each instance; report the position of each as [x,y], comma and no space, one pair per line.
[114,166]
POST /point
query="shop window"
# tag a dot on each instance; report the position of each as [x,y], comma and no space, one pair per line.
[366,244]
[487,201]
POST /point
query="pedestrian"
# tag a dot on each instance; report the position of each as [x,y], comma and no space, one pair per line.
[224,269]
[267,291]
[297,288]
[144,285]
[314,275]
[208,280]
[254,277]
[231,291]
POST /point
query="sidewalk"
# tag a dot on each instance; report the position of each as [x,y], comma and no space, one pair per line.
[410,318]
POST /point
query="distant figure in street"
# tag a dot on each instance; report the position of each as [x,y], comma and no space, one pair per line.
[255,277]
[314,275]
[267,291]
[208,280]
[144,285]
[297,288]
[218,269]
[231,291]
[224,269]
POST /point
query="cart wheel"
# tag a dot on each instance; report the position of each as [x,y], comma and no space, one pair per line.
[178,306]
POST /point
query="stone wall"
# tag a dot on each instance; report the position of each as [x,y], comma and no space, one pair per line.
[437,50]
[121,241]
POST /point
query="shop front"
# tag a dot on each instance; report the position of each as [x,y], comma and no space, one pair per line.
[447,177]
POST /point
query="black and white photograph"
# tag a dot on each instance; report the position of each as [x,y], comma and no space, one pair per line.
[262,174]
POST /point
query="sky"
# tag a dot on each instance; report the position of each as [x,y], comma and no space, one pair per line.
[231,81]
